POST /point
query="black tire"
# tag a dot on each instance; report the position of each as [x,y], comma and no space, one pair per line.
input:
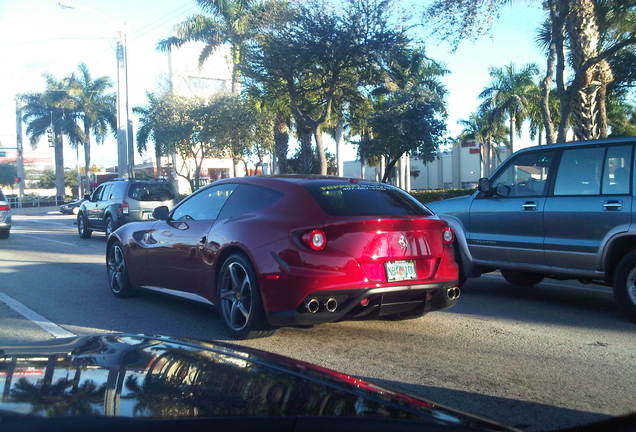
[4,234]
[625,285]
[523,279]
[117,271]
[82,227]
[109,226]
[239,302]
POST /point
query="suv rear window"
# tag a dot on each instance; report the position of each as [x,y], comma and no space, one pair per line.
[151,191]
[359,199]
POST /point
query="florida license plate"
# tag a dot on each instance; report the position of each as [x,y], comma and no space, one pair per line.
[400,270]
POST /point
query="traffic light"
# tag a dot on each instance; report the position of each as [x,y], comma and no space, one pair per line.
[17,180]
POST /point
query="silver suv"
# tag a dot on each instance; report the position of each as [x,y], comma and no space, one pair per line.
[5,217]
[120,201]
[562,211]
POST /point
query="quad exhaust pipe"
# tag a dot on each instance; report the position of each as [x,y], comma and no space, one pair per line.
[453,293]
[312,305]
[331,304]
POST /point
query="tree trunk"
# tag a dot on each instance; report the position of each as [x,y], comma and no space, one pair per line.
[339,143]
[158,160]
[389,169]
[322,157]
[87,148]
[546,83]
[513,122]
[236,73]
[59,165]
[306,154]
[584,37]
[281,142]
[564,96]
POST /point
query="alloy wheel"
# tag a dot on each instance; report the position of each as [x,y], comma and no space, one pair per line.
[116,269]
[236,296]
[81,225]
[631,285]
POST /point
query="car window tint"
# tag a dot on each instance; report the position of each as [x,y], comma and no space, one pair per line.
[1,196]
[360,199]
[97,193]
[248,199]
[146,191]
[527,175]
[204,205]
[118,191]
[617,173]
[579,172]
[105,196]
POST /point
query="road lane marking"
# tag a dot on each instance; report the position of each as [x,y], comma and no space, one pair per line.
[42,222]
[556,284]
[45,239]
[35,317]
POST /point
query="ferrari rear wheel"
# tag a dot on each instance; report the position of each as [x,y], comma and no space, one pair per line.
[239,300]
[117,271]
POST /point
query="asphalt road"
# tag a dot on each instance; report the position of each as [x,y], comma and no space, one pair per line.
[548,357]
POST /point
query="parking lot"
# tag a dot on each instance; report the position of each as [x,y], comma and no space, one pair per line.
[552,356]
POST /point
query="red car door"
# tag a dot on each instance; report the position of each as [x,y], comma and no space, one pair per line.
[175,249]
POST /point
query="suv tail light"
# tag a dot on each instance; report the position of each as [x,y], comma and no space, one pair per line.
[448,236]
[4,207]
[315,239]
[124,207]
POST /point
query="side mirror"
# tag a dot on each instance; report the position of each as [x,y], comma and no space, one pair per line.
[484,186]
[161,213]
[87,197]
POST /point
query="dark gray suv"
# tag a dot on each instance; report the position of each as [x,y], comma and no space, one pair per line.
[563,211]
[117,202]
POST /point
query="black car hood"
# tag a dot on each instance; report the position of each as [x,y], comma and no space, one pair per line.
[142,376]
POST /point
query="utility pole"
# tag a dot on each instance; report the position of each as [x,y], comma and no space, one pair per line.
[122,107]
[19,161]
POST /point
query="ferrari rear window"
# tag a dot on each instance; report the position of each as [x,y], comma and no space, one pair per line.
[359,199]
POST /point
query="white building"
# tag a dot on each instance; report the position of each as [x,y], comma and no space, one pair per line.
[459,167]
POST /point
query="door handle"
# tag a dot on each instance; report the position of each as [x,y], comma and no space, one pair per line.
[529,206]
[613,205]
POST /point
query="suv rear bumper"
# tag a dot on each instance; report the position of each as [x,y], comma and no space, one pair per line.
[409,300]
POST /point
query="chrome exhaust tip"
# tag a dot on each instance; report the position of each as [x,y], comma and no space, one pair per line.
[453,293]
[312,305]
[331,304]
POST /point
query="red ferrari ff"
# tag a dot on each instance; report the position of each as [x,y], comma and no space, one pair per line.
[291,250]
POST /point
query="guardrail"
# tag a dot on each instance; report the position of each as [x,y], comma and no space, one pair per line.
[26,202]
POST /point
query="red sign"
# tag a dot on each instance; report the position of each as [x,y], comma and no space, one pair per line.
[474,151]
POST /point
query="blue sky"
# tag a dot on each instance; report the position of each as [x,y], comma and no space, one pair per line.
[38,36]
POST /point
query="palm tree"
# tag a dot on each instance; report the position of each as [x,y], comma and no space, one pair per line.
[148,129]
[232,22]
[490,132]
[96,107]
[510,94]
[56,111]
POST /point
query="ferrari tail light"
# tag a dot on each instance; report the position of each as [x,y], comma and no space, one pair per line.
[4,207]
[448,236]
[315,239]
[125,208]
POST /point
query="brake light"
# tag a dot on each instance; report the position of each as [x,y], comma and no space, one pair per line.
[448,236]
[315,239]
[124,207]
[4,207]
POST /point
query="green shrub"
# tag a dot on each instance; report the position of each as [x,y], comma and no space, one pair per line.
[426,196]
